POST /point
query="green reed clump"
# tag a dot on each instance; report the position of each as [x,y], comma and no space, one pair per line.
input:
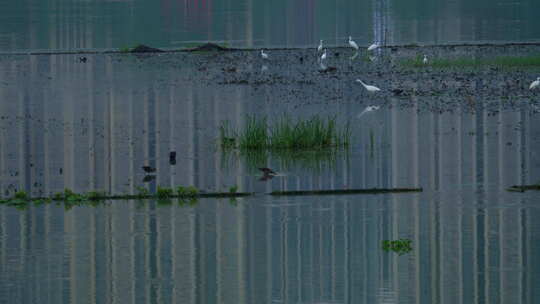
[21,195]
[255,135]
[188,191]
[286,133]
[96,195]
[401,246]
[227,136]
[71,196]
[164,192]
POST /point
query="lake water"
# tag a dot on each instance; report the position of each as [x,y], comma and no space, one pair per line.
[91,126]
[67,25]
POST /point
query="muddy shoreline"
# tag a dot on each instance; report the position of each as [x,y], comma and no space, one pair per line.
[220,48]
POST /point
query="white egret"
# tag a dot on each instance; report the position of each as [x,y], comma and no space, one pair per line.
[264,55]
[535,83]
[368,87]
[367,110]
[353,44]
[425,59]
[319,48]
[372,47]
[323,57]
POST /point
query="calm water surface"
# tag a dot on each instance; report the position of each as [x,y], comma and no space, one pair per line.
[92,126]
[65,24]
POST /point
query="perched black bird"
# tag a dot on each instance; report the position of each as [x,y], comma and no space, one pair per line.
[267,171]
[148,169]
[82,59]
[172,158]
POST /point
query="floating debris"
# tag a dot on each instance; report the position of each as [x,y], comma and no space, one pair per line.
[524,188]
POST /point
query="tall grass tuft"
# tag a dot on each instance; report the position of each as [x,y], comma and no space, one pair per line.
[287,134]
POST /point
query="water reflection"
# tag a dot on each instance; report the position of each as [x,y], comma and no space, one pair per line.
[320,250]
[251,23]
[93,126]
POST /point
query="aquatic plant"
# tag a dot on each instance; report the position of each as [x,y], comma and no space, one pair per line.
[58,196]
[227,136]
[287,134]
[96,195]
[21,195]
[142,191]
[164,192]
[401,246]
[233,189]
[71,196]
[188,191]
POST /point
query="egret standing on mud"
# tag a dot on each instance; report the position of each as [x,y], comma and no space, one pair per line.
[535,83]
[319,48]
[264,55]
[353,44]
[368,87]
[372,47]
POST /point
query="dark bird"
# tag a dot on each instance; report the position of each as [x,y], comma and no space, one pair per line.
[267,171]
[172,157]
[148,169]
[82,59]
[397,91]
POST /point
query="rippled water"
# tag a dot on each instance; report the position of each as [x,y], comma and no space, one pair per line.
[65,24]
[91,126]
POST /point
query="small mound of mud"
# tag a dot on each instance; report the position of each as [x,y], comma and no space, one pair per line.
[209,47]
[141,48]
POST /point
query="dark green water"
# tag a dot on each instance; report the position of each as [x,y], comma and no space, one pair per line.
[91,126]
[64,24]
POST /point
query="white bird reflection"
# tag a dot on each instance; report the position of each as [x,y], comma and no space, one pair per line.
[367,110]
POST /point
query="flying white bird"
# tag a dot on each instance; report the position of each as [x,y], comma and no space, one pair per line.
[367,110]
[323,57]
[352,43]
[264,55]
[535,83]
[372,47]
[370,88]
[319,48]
[425,59]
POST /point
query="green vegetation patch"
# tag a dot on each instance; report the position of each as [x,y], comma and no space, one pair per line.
[532,61]
[401,246]
[286,134]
